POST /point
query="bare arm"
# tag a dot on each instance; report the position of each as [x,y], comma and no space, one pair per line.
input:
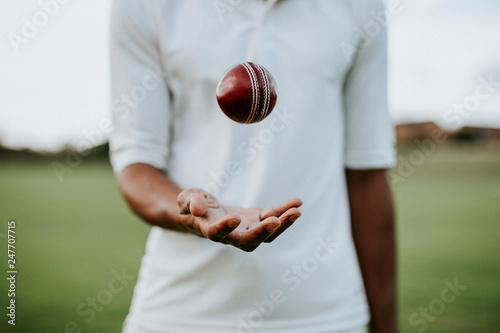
[373,231]
[159,201]
[151,195]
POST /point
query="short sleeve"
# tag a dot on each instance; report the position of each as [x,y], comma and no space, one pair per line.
[369,132]
[140,98]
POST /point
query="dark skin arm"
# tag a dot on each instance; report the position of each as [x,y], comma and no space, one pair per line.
[158,200]
[373,231]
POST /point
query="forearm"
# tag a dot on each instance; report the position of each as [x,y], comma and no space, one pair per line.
[151,195]
[373,232]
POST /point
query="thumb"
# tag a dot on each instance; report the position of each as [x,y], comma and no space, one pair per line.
[192,201]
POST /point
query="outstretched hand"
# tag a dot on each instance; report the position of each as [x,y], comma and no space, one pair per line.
[244,228]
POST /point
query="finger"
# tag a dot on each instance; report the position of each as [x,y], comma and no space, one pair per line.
[219,230]
[195,195]
[278,210]
[255,236]
[287,219]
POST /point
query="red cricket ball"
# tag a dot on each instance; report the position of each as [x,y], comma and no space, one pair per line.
[247,93]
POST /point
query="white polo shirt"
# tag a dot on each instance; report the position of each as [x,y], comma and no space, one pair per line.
[331,113]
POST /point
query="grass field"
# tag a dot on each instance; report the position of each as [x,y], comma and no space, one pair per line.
[74,237]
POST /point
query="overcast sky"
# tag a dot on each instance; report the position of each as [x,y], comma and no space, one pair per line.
[55,85]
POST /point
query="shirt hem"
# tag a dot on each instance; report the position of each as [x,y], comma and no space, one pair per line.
[135,325]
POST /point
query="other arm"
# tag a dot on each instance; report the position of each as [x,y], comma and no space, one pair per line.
[373,231]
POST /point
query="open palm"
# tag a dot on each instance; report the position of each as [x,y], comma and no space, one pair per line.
[245,228]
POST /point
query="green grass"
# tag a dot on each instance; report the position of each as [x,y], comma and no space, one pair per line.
[71,235]
[449,227]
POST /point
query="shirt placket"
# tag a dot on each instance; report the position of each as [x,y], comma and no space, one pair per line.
[261,12]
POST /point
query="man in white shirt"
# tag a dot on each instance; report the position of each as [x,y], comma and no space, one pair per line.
[210,264]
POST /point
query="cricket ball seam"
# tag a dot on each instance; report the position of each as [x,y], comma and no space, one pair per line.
[267,94]
[255,91]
